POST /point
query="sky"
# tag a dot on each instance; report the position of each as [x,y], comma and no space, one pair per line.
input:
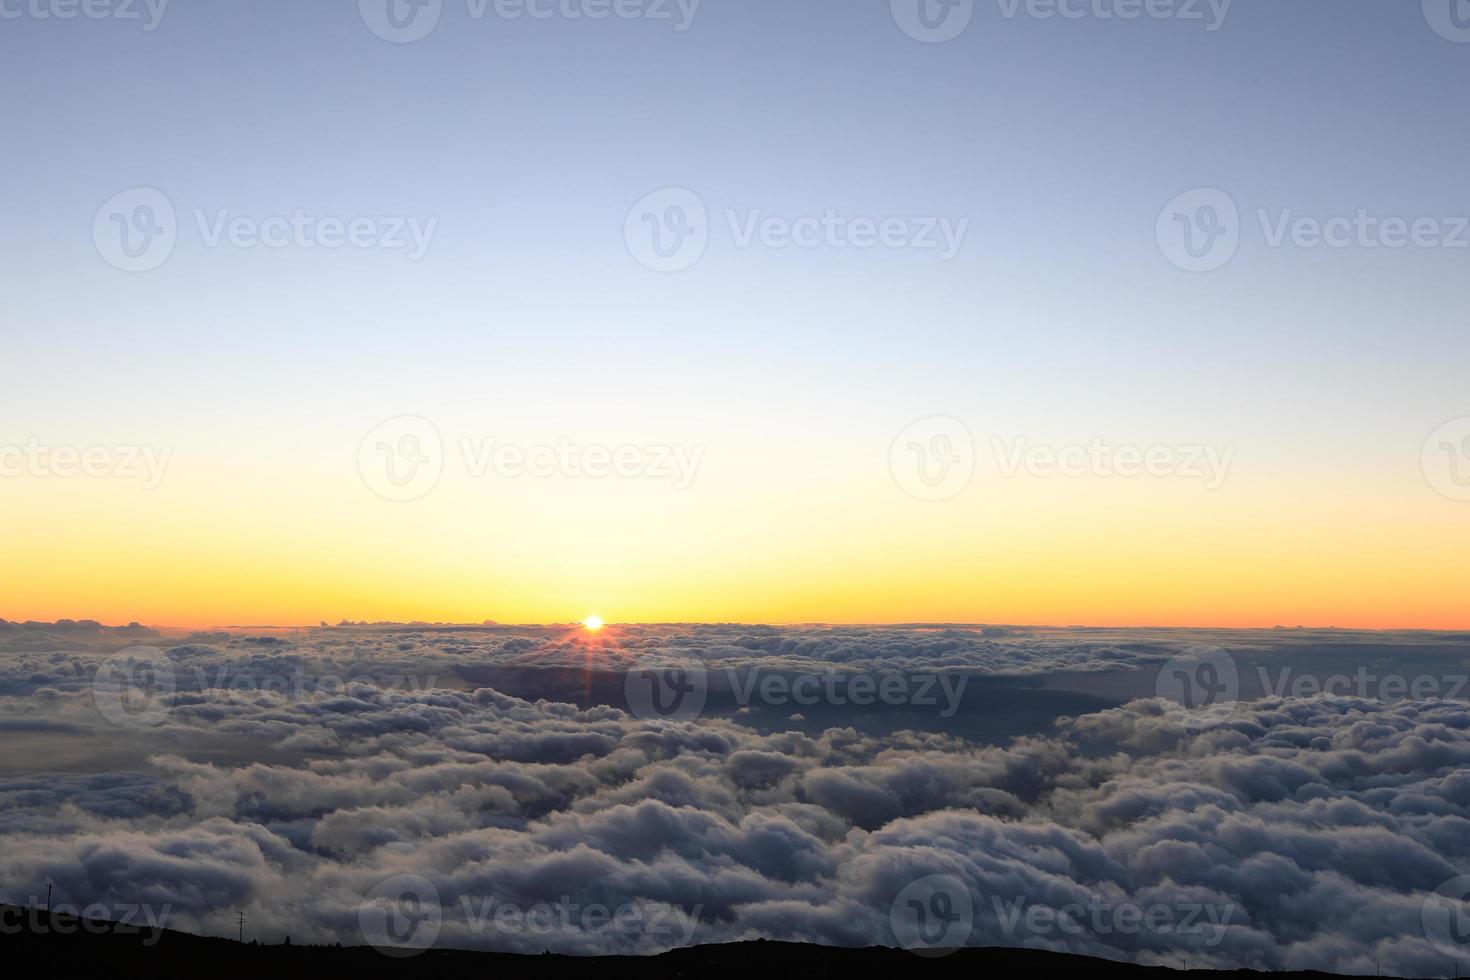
[768,422]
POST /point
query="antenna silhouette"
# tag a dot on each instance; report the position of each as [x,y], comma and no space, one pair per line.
[48,898]
[242,926]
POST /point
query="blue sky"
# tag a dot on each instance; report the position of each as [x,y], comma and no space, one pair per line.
[528,140]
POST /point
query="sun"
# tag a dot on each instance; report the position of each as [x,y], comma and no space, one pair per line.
[593,623]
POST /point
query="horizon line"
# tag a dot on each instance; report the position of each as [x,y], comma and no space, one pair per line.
[772,624]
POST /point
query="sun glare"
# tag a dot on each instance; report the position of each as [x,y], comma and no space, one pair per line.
[593,623]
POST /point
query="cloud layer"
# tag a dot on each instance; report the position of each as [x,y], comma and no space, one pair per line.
[1290,833]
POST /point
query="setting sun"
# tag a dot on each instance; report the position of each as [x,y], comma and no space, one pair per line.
[593,623]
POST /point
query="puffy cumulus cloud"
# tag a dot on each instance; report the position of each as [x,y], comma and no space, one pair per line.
[1292,834]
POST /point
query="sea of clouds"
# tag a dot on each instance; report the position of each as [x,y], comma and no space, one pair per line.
[39,650]
[1282,833]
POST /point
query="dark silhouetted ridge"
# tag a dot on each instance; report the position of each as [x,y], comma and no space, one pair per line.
[63,945]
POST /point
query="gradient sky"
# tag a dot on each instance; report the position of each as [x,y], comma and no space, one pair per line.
[528,320]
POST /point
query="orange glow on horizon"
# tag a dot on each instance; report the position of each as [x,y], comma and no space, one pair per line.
[227,550]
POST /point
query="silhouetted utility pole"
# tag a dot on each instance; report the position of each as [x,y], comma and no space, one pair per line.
[242,926]
[48,898]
